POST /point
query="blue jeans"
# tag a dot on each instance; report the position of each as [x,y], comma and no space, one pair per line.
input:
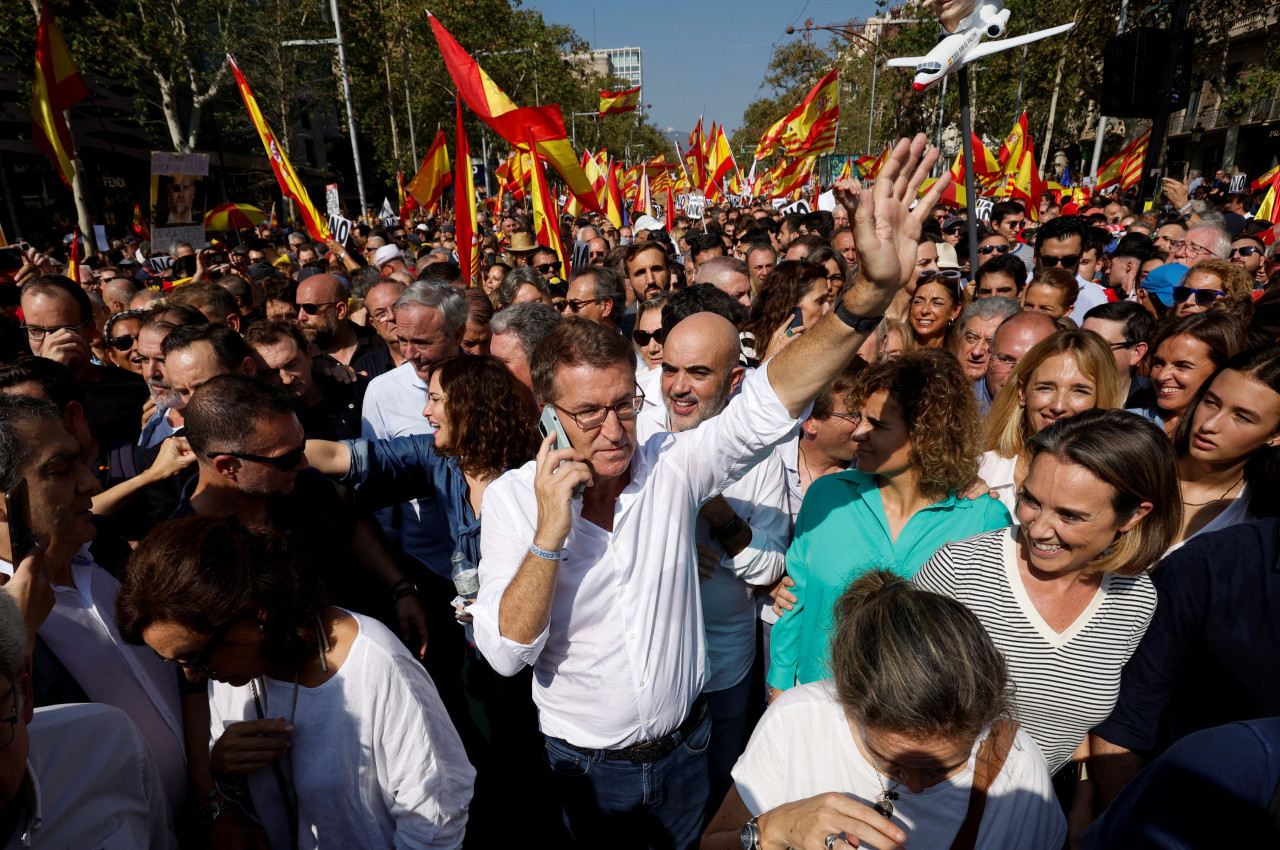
[728,712]
[619,804]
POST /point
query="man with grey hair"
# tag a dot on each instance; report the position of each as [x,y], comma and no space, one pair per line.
[55,791]
[597,293]
[729,275]
[1202,242]
[517,330]
[978,326]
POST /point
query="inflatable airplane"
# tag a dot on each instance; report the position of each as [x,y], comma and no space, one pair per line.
[990,19]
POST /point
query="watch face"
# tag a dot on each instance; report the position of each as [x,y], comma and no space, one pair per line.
[750,835]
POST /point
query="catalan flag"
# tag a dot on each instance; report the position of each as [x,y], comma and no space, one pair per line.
[772,137]
[292,187]
[696,158]
[466,223]
[546,217]
[1131,168]
[540,126]
[427,186]
[58,85]
[615,102]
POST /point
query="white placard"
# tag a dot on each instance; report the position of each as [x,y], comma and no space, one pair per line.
[1238,183]
[695,206]
[163,237]
[332,205]
[100,236]
[801,206]
[982,208]
[827,201]
[189,164]
[340,228]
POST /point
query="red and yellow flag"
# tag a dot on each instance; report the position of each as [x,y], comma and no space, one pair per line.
[539,126]
[139,226]
[614,102]
[292,187]
[58,85]
[466,223]
[546,216]
[275,222]
[427,186]
[614,205]
[811,128]
[1131,168]
[696,159]
[1265,179]
[721,165]
[73,259]
[644,198]
[1011,148]
[772,137]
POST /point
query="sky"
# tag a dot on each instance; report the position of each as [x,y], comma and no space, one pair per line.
[698,56]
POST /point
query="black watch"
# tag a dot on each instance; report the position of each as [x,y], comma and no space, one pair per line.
[862,324]
[404,589]
[729,530]
[750,835]
[209,813]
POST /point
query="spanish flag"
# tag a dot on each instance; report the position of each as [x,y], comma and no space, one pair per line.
[615,209]
[591,166]
[614,102]
[140,227]
[541,126]
[546,216]
[58,85]
[290,185]
[1011,149]
[721,163]
[1265,180]
[811,128]
[696,158]
[73,259]
[466,222]
[433,175]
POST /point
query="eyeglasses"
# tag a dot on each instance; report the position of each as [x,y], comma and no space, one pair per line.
[199,664]
[576,306]
[954,274]
[122,343]
[835,278]
[1195,248]
[286,462]
[560,305]
[548,268]
[851,418]
[993,249]
[1244,251]
[589,420]
[37,333]
[311,309]
[642,337]
[954,231]
[1070,261]
[1013,225]
[1204,297]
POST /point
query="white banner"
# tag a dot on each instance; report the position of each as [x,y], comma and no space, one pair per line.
[801,206]
[340,228]
[332,205]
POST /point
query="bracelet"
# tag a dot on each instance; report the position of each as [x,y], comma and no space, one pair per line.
[543,553]
[401,583]
[404,592]
[862,324]
[1183,211]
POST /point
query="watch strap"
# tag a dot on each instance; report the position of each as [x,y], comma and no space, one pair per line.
[861,324]
[729,529]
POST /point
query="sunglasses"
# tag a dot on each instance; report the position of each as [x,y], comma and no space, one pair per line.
[642,337]
[199,664]
[1204,297]
[286,462]
[1245,251]
[122,343]
[1070,261]
[954,274]
[994,249]
[548,268]
[311,309]
[954,231]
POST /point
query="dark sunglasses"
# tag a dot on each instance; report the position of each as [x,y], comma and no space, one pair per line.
[642,337]
[199,664]
[994,249]
[954,231]
[312,309]
[548,268]
[1070,261]
[1245,250]
[122,343]
[286,462]
[1204,297]
[560,305]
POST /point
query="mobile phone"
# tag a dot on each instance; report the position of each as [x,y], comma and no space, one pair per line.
[216,258]
[184,266]
[550,424]
[11,259]
[797,320]
[21,540]
[1176,169]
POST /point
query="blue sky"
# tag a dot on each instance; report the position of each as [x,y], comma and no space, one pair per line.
[698,57]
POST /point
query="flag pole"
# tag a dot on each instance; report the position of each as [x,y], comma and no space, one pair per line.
[970,197]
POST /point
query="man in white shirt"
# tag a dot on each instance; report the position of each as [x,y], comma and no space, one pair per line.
[71,775]
[599,593]
[742,534]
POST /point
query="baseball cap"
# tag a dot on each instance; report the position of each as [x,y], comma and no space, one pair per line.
[259,270]
[646,222]
[947,258]
[387,253]
[1160,281]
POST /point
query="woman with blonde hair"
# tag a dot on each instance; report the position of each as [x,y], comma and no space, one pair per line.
[1065,594]
[917,435]
[909,741]
[1062,375]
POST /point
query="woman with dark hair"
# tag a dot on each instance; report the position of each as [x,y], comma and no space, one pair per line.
[1065,593]
[792,285]
[935,306]
[1228,447]
[917,436]
[1182,356]
[909,741]
[837,267]
[325,725]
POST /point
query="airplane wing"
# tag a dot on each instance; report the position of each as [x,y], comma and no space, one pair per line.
[989,47]
[905,61]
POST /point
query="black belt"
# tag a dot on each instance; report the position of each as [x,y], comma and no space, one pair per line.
[651,751]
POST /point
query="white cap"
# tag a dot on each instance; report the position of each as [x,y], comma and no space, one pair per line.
[387,253]
[646,222]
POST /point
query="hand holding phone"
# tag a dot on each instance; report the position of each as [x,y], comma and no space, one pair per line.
[549,424]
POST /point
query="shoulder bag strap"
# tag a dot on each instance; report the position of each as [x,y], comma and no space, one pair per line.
[987,766]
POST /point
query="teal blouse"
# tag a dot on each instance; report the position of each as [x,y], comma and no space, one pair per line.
[841,533]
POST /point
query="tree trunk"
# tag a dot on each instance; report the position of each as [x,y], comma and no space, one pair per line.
[1053,110]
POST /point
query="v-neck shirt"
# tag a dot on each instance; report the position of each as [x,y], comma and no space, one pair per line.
[1068,681]
[842,532]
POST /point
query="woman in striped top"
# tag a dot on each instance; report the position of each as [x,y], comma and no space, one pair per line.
[1065,595]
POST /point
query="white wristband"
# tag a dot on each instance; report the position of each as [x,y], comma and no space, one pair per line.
[543,553]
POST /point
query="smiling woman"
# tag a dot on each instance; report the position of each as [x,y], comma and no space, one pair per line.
[1183,355]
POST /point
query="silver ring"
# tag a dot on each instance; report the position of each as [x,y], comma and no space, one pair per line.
[831,841]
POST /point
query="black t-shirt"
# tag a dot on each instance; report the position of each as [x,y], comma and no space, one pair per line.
[337,415]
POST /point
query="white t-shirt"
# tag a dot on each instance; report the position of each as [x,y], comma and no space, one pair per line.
[374,761]
[804,746]
[999,472]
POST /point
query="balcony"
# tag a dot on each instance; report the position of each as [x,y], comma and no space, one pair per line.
[1212,119]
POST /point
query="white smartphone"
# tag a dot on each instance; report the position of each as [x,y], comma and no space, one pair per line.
[549,424]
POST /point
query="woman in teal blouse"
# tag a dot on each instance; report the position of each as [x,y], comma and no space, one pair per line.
[918,443]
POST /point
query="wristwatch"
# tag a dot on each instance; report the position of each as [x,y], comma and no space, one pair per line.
[750,835]
[403,590]
[728,530]
[862,324]
[210,812]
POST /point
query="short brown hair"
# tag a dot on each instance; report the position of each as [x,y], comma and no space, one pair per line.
[277,330]
[940,410]
[576,342]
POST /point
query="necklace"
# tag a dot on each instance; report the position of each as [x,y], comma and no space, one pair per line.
[884,803]
[1219,499]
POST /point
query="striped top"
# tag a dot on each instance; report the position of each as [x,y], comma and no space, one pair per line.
[1067,682]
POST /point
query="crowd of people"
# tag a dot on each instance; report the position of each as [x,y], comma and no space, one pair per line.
[767,531]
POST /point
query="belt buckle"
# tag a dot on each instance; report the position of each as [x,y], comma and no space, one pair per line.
[646,753]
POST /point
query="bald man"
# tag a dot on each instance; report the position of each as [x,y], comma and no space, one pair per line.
[741,534]
[322,316]
[729,275]
[1013,339]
